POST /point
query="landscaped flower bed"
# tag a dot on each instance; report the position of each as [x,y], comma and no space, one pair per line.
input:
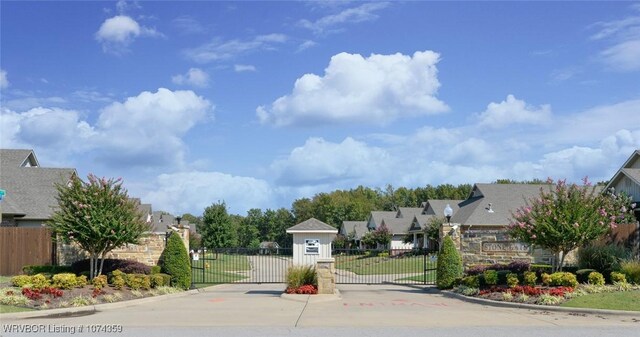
[302,280]
[518,282]
[68,290]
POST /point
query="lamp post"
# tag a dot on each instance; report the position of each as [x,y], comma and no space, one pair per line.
[448,212]
[178,218]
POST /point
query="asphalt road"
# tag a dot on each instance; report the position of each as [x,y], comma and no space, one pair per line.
[258,310]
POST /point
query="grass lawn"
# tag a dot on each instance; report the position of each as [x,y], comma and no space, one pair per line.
[363,265]
[622,300]
[430,277]
[5,309]
[220,270]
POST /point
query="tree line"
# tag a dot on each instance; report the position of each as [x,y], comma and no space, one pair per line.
[217,228]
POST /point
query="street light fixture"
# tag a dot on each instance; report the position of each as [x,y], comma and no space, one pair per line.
[448,212]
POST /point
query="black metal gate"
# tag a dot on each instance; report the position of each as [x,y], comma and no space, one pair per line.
[353,266]
[408,266]
[241,265]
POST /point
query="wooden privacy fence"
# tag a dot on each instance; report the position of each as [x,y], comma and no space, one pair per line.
[24,246]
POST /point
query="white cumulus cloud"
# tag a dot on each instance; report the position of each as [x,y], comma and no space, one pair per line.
[195,77]
[376,89]
[514,111]
[195,190]
[118,32]
[143,131]
[321,162]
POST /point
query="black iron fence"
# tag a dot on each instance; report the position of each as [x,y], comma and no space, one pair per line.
[352,266]
[241,265]
[409,266]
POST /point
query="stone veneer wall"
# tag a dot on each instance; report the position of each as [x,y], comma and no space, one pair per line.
[147,252]
[492,245]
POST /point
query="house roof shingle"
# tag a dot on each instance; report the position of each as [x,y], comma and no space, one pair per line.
[504,199]
[312,224]
[360,228]
[31,192]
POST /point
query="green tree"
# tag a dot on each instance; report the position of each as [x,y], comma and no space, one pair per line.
[449,265]
[217,228]
[98,216]
[249,233]
[195,220]
[564,217]
[175,262]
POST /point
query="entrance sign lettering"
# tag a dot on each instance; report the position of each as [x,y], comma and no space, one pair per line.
[312,246]
[505,246]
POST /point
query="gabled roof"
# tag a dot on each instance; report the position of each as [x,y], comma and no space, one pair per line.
[14,158]
[419,222]
[360,228]
[630,169]
[436,206]
[398,226]
[312,225]
[31,192]
[408,212]
[377,216]
[504,199]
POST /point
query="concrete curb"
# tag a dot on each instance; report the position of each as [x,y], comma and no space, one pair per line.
[90,309]
[539,307]
[312,298]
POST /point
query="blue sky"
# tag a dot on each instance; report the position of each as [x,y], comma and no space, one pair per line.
[260,103]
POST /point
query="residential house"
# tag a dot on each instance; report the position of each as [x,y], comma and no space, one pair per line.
[353,230]
[431,210]
[30,189]
[627,180]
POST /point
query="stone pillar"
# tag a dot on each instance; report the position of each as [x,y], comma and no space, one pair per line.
[447,229]
[325,269]
[183,231]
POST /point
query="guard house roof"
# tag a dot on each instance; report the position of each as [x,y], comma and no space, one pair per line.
[312,225]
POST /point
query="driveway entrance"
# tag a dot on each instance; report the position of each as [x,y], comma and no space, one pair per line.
[353,266]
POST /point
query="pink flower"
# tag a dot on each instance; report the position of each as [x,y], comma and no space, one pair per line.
[576,225]
[533,236]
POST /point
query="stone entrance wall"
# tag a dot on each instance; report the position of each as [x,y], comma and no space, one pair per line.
[147,252]
[491,245]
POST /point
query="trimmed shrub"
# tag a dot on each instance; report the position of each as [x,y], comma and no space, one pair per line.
[582,275]
[519,266]
[602,258]
[64,281]
[138,281]
[156,270]
[546,279]
[37,269]
[490,277]
[126,266]
[118,279]
[39,281]
[157,280]
[471,281]
[618,277]
[596,278]
[298,276]
[99,281]
[449,265]
[20,280]
[81,281]
[541,268]
[512,280]
[529,278]
[502,277]
[564,279]
[175,262]
[631,270]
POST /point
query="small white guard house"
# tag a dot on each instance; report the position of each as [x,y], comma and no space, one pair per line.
[311,241]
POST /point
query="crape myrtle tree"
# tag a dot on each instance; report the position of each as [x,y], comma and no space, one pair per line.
[567,216]
[98,216]
[381,236]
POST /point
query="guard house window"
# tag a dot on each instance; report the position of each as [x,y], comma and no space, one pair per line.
[312,246]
